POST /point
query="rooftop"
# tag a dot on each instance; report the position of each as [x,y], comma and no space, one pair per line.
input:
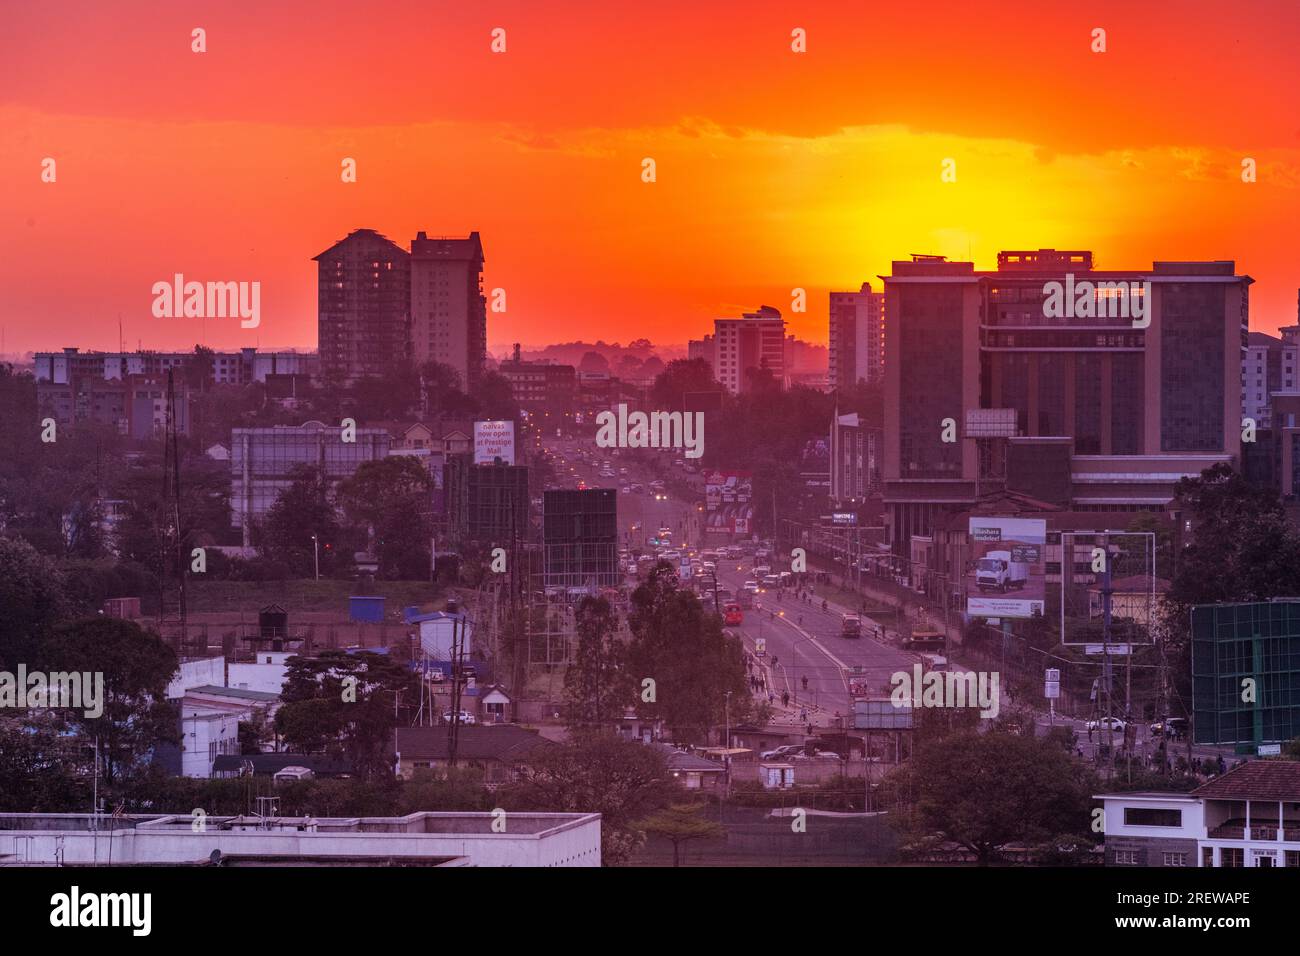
[1255,780]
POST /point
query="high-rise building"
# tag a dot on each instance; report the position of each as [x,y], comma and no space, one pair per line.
[702,349]
[852,463]
[448,309]
[752,342]
[363,306]
[1138,371]
[1268,366]
[857,337]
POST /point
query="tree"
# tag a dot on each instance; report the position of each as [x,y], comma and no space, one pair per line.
[622,780]
[681,823]
[346,705]
[137,667]
[679,377]
[683,649]
[38,773]
[597,685]
[984,791]
[32,599]
[393,499]
[303,512]
[1242,547]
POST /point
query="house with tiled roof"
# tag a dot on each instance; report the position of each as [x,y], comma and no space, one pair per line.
[1249,816]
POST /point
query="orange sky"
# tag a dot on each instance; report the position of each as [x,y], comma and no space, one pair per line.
[776,170]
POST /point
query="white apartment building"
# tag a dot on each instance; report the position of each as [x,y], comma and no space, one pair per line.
[756,340]
[1249,816]
[1269,365]
[857,337]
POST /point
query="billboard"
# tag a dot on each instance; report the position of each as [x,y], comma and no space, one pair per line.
[493,440]
[728,501]
[1007,573]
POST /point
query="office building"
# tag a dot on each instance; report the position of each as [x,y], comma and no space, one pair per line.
[264,462]
[218,368]
[1137,376]
[852,463]
[857,338]
[363,306]
[136,406]
[1235,643]
[540,385]
[1268,366]
[745,345]
[448,309]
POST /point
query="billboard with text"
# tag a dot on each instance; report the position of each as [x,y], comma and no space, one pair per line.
[1007,575]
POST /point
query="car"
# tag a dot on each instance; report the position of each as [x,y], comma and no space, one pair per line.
[780,753]
[1116,725]
[1177,728]
[751,586]
[465,717]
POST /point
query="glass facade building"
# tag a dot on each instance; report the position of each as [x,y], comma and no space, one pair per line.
[263,462]
[1233,644]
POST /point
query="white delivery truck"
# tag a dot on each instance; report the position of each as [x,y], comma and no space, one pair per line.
[997,572]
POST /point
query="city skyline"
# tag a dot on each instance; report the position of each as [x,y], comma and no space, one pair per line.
[792,178]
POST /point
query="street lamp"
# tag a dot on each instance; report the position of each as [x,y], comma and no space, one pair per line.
[315,546]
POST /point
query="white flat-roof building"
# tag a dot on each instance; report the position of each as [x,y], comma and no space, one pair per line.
[1249,816]
[417,839]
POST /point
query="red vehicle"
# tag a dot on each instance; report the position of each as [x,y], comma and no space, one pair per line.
[732,615]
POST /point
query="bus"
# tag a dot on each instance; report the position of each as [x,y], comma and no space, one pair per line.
[732,615]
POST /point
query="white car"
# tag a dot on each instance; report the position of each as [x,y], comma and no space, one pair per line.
[465,717]
[1116,725]
[750,586]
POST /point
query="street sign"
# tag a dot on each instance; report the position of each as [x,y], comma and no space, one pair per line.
[1053,675]
[1113,649]
[1052,689]
[1270,750]
[760,646]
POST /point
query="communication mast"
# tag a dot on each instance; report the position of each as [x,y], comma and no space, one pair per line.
[171,538]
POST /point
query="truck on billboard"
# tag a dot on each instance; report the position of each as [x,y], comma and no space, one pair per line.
[728,502]
[1007,574]
[493,440]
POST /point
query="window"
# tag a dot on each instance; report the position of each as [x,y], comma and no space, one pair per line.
[1175,859]
[1232,856]
[1152,817]
[1207,856]
[1126,857]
